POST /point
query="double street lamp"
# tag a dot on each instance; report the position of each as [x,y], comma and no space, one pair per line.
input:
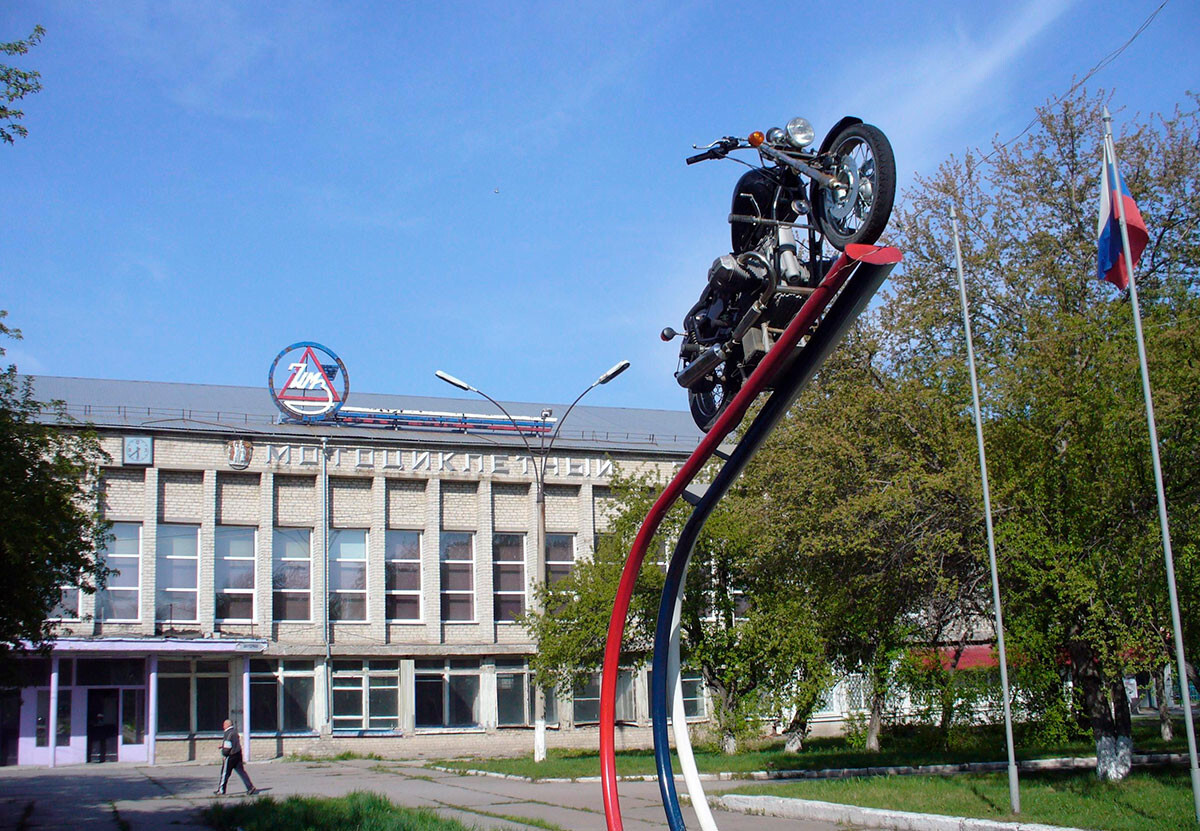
[539,473]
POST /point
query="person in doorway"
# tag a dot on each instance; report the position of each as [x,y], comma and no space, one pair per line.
[231,760]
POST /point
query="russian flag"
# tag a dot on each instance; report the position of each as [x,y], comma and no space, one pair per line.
[1110,262]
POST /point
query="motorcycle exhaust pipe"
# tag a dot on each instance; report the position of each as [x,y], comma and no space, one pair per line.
[709,360]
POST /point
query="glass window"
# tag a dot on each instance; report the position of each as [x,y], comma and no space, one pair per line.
[176,566]
[366,695]
[458,576]
[234,579]
[587,699]
[508,576]
[133,716]
[516,695]
[67,607]
[281,696]
[402,561]
[122,553]
[193,696]
[348,574]
[447,693]
[291,586]
[64,718]
[560,556]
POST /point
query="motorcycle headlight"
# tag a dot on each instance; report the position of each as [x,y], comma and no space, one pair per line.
[800,132]
[776,136]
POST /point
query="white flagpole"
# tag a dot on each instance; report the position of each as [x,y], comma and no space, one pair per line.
[1014,790]
[1158,480]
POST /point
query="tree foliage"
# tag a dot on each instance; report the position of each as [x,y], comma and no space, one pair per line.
[17,84]
[50,526]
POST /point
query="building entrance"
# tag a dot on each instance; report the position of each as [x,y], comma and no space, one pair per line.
[102,725]
[10,725]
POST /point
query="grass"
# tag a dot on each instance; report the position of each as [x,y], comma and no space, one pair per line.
[360,810]
[344,756]
[1145,801]
[901,746]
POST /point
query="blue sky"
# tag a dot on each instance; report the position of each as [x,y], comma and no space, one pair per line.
[492,189]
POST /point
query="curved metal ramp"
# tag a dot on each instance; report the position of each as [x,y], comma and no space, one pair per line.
[798,353]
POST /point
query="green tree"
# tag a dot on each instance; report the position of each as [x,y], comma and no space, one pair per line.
[50,526]
[758,653]
[17,84]
[1081,560]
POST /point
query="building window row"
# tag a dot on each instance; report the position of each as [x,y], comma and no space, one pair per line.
[235,548]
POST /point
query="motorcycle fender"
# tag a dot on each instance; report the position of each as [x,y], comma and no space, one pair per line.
[837,128]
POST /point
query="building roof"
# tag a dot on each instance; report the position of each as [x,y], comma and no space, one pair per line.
[228,410]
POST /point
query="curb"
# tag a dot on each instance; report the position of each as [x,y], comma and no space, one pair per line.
[1060,763]
[775,806]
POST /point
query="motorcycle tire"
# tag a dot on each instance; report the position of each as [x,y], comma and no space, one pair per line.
[707,401]
[863,157]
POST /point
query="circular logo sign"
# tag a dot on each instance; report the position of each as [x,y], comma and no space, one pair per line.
[308,382]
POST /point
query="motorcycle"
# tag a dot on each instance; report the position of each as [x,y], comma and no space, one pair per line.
[841,194]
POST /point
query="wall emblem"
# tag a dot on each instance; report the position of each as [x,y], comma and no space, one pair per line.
[308,382]
[240,453]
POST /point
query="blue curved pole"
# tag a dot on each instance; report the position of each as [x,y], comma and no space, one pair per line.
[850,303]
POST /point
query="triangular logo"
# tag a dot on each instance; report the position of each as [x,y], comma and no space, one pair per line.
[309,382]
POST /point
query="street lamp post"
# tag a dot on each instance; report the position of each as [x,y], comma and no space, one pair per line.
[539,473]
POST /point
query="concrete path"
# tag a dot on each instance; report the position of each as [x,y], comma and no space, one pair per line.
[123,797]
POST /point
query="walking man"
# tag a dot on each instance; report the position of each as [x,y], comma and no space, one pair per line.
[231,752]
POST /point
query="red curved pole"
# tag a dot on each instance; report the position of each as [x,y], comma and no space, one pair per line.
[766,370]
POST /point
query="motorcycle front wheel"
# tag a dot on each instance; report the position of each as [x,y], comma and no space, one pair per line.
[708,400]
[857,208]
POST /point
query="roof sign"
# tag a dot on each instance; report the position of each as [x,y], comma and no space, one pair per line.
[308,382]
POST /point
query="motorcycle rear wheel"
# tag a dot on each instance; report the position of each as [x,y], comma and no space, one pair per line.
[858,211]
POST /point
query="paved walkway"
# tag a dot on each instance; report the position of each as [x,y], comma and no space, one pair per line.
[169,797]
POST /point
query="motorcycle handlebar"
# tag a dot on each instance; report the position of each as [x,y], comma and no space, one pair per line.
[718,151]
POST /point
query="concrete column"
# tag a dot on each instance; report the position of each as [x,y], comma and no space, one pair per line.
[484,523]
[151,708]
[149,564]
[206,606]
[408,703]
[376,570]
[264,561]
[52,721]
[431,571]
[246,708]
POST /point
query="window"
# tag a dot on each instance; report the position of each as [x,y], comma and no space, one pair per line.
[560,556]
[587,699]
[515,695]
[402,558]
[508,576]
[366,695]
[235,572]
[193,696]
[348,574]
[67,607]
[281,696]
[122,553]
[447,693]
[458,576]
[176,573]
[693,693]
[291,574]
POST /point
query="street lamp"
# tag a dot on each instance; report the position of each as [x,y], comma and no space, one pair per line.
[539,473]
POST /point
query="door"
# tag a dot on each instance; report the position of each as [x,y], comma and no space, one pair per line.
[10,725]
[103,725]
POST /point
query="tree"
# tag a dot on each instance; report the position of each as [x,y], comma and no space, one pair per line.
[1081,559]
[758,653]
[50,528]
[17,84]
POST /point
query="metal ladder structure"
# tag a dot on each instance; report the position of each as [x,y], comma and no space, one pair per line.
[798,353]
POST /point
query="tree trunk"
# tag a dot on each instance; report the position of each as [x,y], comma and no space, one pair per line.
[1164,712]
[729,745]
[1112,754]
[949,698]
[796,732]
[878,697]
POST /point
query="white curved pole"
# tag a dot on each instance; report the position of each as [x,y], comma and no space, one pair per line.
[683,742]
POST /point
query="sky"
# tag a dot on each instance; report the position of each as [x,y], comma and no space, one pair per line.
[492,189]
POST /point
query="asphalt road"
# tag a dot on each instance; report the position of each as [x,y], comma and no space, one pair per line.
[119,797]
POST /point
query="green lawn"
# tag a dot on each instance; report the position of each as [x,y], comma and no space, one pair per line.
[901,746]
[360,810]
[1145,801]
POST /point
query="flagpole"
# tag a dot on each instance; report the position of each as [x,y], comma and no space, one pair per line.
[1158,480]
[1014,790]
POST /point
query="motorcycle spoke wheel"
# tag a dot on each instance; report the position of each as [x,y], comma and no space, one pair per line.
[857,209]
